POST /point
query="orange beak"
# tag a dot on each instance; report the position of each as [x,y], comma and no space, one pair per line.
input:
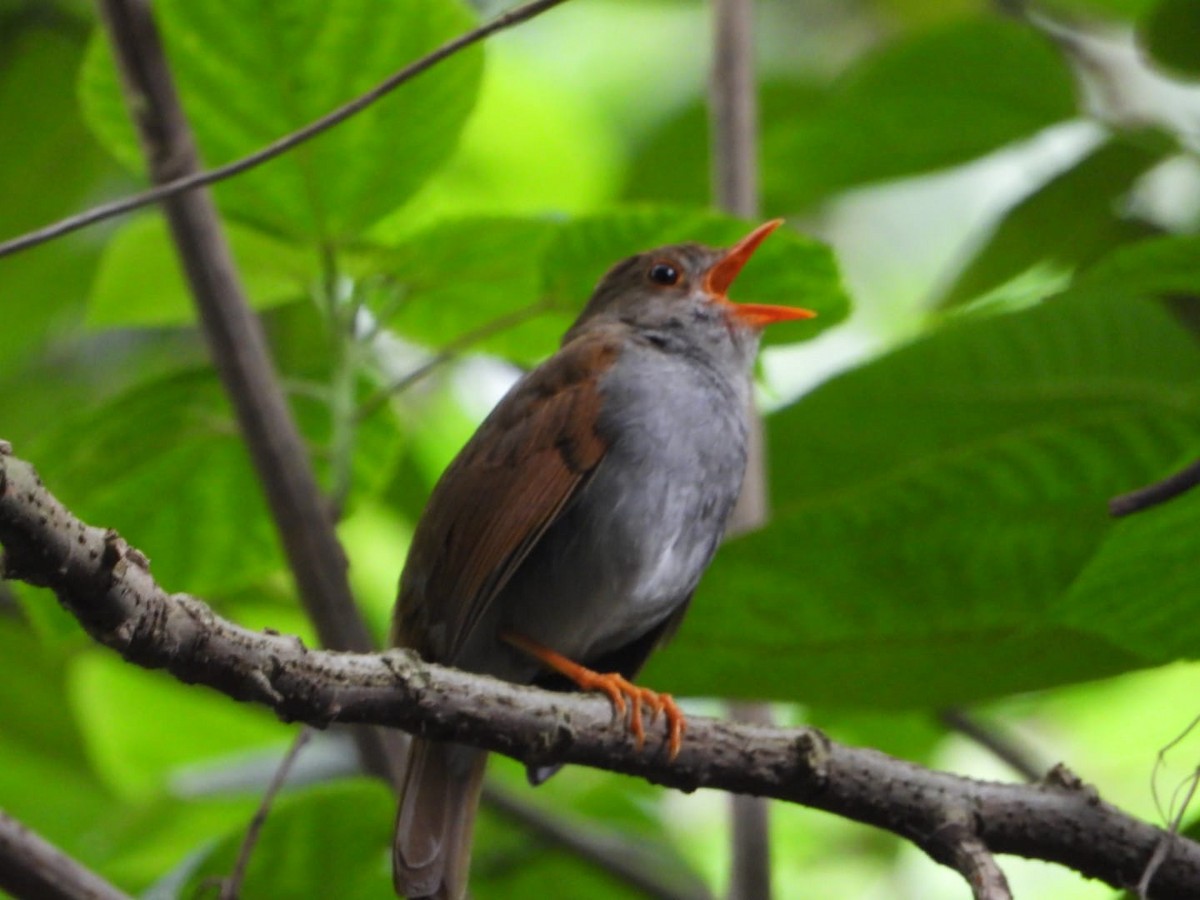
[725,270]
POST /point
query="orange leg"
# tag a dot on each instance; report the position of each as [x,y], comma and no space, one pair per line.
[616,687]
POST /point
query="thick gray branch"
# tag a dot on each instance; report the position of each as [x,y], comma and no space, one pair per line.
[107,585]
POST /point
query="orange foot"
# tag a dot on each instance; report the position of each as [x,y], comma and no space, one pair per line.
[616,687]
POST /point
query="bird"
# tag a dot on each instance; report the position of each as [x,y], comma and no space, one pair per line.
[564,542]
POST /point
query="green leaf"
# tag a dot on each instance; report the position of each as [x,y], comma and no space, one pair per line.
[141,841]
[1067,223]
[42,287]
[1158,266]
[512,861]
[899,112]
[140,283]
[942,97]
[932,505]
[176,439]
[497,169]
[46,778]
[331,841]
[1140,590]
[475,276]
[1170,34]
[279,67]
[125,711]
[673,164]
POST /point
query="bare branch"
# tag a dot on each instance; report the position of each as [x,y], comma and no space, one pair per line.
[31,868]
[239,351]
[107,585]
[1159,492]
[231,888]
[957,844]
[998,744]
[193,180]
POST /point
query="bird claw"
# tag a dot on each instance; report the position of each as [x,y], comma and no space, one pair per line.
[616,687]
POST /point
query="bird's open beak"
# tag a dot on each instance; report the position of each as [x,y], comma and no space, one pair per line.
[725,270]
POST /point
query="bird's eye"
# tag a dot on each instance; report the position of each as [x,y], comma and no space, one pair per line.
[664,273]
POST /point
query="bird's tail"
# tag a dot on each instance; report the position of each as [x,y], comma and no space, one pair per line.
[431,854]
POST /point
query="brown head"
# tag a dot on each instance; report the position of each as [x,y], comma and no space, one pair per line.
[678,296]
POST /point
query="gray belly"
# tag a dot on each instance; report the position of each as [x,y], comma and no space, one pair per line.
[632,545]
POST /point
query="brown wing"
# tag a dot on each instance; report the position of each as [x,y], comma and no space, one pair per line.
[500,494]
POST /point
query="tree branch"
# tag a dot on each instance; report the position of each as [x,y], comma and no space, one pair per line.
[31,867]
[239,351]
[957,844]
[733,109]
[1000,746]
[198,179]
[107,585]
[1159,492]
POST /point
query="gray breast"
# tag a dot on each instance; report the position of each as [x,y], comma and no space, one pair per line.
[633,544]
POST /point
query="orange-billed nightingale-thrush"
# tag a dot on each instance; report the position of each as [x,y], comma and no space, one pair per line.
[567,537]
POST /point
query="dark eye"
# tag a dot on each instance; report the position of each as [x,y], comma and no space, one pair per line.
[664,273]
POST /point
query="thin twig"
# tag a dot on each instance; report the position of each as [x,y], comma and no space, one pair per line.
[231,888]
[31,868]
[197,179]
[1000,745]
[1172,813]
[979,867]
[1154,494]
[450,351]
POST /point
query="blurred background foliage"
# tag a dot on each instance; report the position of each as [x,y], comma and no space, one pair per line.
[1012,202]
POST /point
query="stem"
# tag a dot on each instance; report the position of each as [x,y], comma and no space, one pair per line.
[734,130]
[239,351]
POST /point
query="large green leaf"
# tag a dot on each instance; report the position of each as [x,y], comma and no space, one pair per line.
[534,276]
[473,277]
[1157,267]
[905,110]
[165,465]
[1142,589]
[125,711]
[140,283]
[171,440]
[899,112]
[46,779]
[42,288]
[673,163]
[931,506]
[251,71]
[142,840]
[1170,33]
[1067,223]
[329,841]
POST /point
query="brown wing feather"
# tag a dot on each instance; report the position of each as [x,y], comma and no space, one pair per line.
[500,494]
